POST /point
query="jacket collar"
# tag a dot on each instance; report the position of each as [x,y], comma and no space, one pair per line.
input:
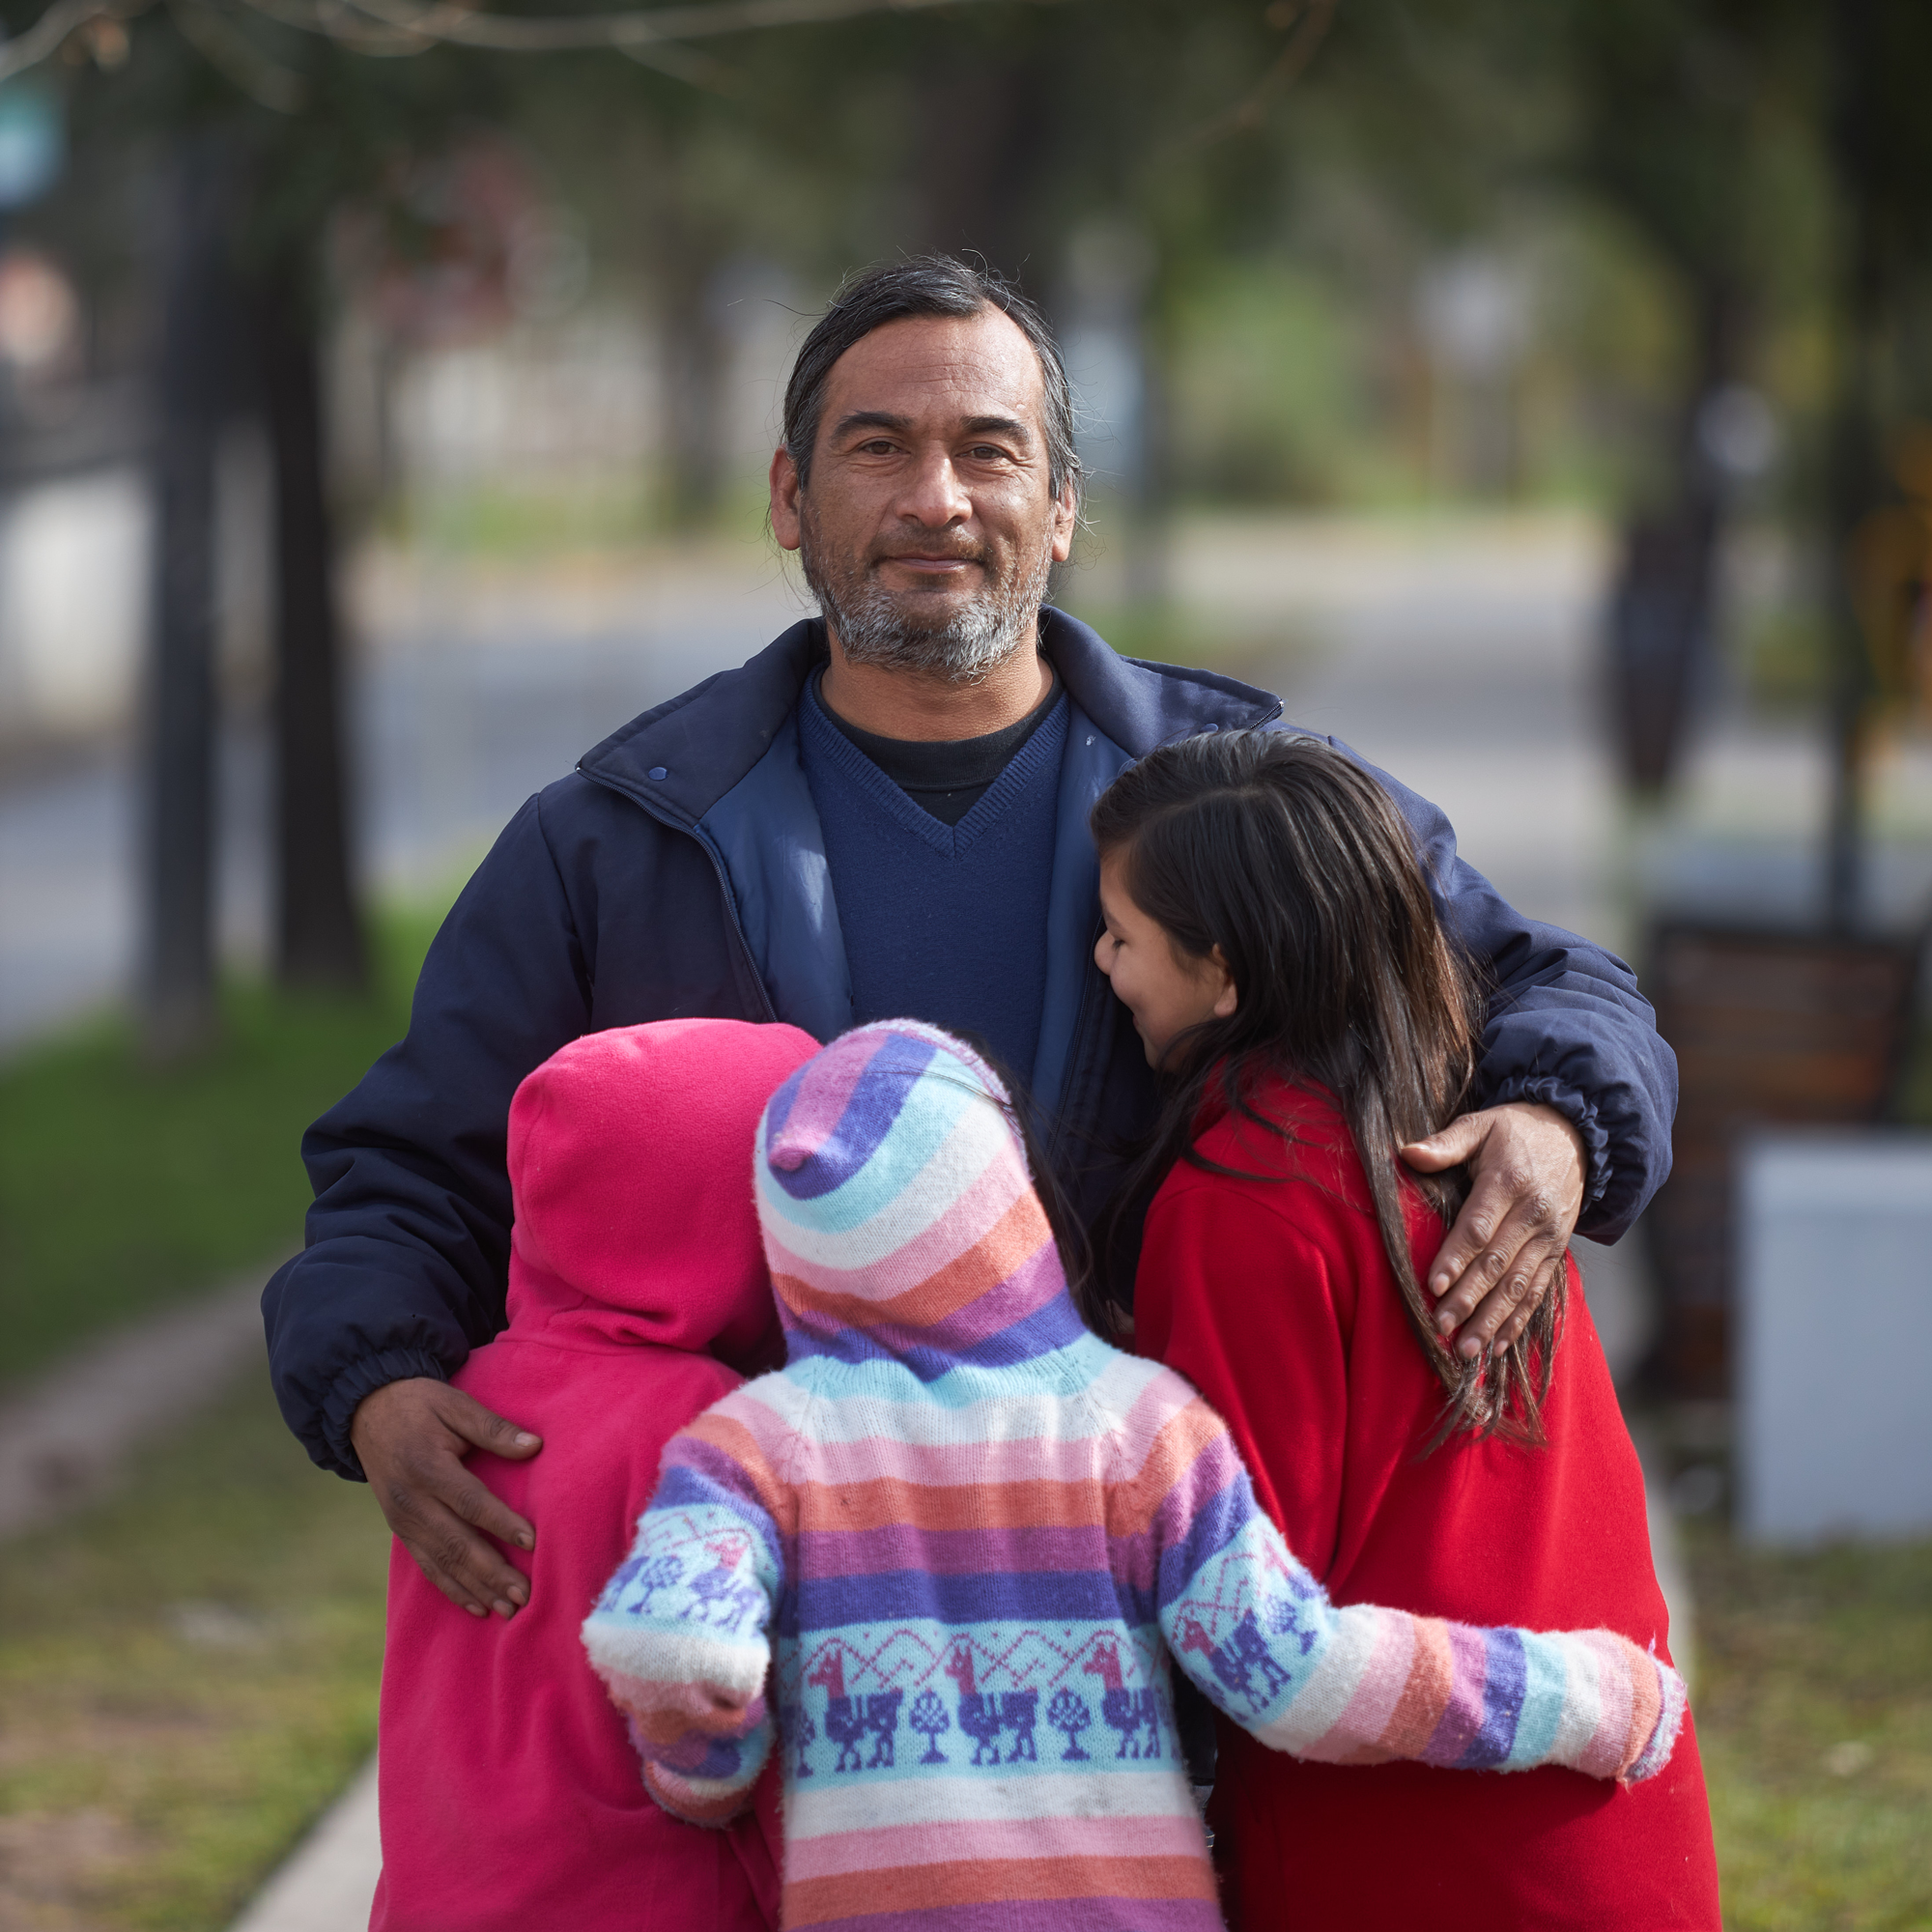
[706,739]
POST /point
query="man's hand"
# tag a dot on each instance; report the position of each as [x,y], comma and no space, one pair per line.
[1527,1174]
[412,1436]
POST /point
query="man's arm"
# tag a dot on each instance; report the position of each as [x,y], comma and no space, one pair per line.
[1576,1092]
[408,1244]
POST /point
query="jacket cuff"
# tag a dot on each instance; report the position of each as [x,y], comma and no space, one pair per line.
[364,1378]
[1545,1090]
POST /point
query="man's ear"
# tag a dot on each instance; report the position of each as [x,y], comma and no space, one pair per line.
[785,499]
[1066,513]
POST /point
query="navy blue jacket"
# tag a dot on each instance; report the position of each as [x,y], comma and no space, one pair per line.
[680,871]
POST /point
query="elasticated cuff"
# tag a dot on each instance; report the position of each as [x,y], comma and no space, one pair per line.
[364,1378]
[1674,1702]
[1545,1091]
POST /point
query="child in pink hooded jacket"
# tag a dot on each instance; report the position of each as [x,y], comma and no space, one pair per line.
[510,1794]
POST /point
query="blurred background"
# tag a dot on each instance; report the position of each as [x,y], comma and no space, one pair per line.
[1537,398]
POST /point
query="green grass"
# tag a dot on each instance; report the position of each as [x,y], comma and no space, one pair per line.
[189,1674]
[1814,1711]
[124,1187]
[1914,1100]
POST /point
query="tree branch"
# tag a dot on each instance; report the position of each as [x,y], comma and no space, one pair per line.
[46,35]
[394,28]
[1307,22]
[510,33]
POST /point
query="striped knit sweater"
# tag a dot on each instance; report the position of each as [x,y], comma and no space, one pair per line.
[959,1539]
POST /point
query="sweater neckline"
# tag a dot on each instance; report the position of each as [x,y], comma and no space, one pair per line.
[941,767]
[1044,743]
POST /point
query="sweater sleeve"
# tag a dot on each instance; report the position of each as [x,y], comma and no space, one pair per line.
[681,1636]
[1365,1685]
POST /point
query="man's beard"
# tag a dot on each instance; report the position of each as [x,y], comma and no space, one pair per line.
[874,627]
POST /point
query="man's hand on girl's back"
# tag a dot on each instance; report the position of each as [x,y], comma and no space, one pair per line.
[410,1438]
[1527,1189]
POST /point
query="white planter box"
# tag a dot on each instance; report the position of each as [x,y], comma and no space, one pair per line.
[1835,1302]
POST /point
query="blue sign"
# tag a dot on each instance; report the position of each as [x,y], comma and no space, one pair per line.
[33,144]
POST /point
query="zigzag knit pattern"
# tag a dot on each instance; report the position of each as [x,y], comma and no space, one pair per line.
[971,1537]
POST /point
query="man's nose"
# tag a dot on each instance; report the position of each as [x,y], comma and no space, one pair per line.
[933,495]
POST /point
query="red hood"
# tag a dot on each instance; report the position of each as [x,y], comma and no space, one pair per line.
[630,1163]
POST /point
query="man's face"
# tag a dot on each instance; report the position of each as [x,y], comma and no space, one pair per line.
[929,528]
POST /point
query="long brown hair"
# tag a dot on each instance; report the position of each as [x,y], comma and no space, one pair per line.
[1291,860]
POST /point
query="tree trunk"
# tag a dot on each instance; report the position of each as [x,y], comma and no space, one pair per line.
[320,939]
[1853,482]
[980,189]
[1663,598]
[178,1004]
[697,358]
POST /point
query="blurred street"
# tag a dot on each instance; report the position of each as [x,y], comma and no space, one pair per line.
[475,688]
[1457,652]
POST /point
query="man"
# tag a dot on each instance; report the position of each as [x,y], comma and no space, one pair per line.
[883,813]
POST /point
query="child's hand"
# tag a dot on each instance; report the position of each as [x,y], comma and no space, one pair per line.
[1675,1699]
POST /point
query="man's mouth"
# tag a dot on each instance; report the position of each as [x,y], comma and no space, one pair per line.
[937,561]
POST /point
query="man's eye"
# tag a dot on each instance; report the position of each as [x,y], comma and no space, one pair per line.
[985,452]
[878,447]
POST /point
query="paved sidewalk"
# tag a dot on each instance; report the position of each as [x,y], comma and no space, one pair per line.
[329,1880]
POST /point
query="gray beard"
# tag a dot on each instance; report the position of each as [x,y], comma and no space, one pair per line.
[872,628]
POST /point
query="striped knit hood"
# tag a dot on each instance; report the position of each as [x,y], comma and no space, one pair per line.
[899,1218]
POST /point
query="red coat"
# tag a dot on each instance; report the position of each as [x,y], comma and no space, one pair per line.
[1275,1299]
[510,1794]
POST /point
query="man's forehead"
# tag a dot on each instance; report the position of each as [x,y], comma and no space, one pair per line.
[938,370]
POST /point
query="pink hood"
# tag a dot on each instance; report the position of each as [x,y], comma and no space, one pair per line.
[630,1163]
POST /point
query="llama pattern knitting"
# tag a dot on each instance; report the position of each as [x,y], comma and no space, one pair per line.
[946,1557]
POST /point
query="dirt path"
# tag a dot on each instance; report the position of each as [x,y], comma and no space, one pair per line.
[64,1441]
[65,1437]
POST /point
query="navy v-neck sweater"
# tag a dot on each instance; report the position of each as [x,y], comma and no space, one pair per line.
[942,923]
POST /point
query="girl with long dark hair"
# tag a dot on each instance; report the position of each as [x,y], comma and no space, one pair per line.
[1271,929]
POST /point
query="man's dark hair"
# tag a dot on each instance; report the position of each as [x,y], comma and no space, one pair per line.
[934,285]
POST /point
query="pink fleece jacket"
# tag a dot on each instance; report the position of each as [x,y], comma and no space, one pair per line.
[510,1794]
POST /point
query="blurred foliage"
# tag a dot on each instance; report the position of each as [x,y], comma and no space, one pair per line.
[1662,168]
[494,514]
[1915,1087]
[1814,1714]
[1675,154]
[1270,652]
[122,1187]
[189,1673]
[1783,655]
[1267,387]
